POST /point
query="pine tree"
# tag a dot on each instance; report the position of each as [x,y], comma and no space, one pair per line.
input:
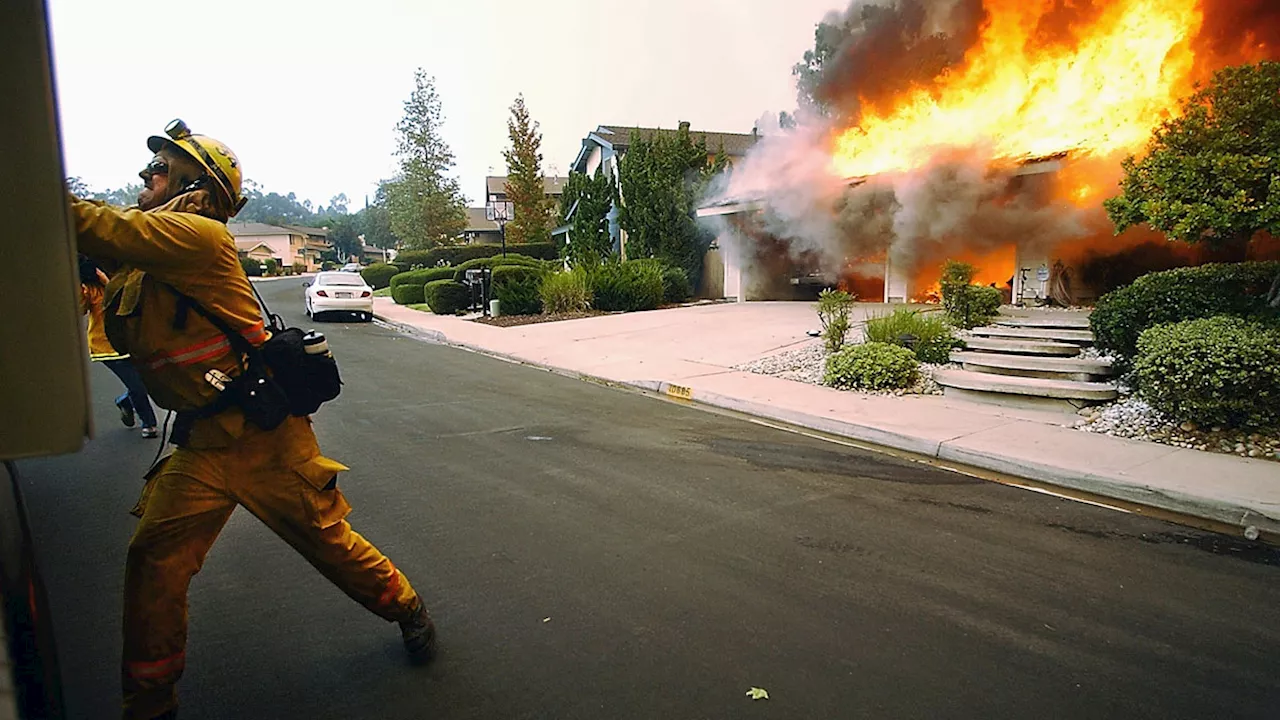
[426,205]
[525,189]
[662,181]
[589,198]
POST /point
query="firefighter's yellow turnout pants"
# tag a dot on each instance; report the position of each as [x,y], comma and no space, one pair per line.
[279,476]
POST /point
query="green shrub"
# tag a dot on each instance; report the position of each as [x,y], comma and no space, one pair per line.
[926,334]
[675,286]
[378,275]
[328,265]
[516,288]
[834,307]
[627,286]
[967,306]
[1212,371]
[871,366]
[272,266]
[446,297]
[566,291]
[460,271]
[458,254]
[252,267]
[421,277]
[408,294]
[1191,293]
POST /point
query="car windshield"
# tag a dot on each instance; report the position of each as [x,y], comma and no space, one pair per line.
[339,279]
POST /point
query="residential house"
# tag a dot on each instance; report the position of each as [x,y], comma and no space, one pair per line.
[292,246]
[370,254]
[495,188]
[480,229]
[605,147]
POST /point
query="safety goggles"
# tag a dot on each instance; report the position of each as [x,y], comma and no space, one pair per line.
[157,166]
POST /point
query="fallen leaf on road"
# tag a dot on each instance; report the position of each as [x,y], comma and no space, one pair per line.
[756,693]
[546,619]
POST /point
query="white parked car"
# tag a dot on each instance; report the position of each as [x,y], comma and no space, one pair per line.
[352,267]
[339,292]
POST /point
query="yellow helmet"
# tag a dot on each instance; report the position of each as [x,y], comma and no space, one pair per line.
[217,159]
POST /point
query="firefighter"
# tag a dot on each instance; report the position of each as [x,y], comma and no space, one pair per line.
[177,240]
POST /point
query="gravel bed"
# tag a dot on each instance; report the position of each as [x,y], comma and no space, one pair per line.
[1132,418]
[805,363]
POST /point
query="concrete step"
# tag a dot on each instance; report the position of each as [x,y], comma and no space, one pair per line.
[1049,368]
[1023,391]
[1058,321]
[1067,335]
[1023,347]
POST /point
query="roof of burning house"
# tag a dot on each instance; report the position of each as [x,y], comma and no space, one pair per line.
[729,205]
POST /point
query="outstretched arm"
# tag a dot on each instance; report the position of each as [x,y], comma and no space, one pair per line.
[154,242]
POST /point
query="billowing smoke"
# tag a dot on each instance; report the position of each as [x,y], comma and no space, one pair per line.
[962,199]
[879,49]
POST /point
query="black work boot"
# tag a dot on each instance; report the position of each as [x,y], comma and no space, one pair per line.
[419,635]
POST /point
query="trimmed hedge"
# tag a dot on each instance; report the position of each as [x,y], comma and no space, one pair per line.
[927,335]
[871,366]
[446,297]
[1190,293]
[628,286]
[1212,371]
[251,267]
[421,277]
[516,288]
[458,254]
[460,272]
[379,275]
[408,294]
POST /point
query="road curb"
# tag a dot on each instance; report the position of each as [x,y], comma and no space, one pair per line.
[1238,517]
[1224,516]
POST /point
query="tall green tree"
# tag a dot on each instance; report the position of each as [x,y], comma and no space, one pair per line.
[344,236]
[589,198]
[661,181]
[375,222]
[525,188]
[1212,175]
[426,204]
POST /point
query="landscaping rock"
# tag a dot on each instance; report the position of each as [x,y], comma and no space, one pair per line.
[1133,419]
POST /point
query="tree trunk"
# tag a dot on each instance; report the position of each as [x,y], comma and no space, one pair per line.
[1273,297]
[1234,249]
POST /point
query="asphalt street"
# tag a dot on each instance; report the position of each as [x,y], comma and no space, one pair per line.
[593,553]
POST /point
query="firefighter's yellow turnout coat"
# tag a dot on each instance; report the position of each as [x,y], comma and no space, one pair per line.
[278,475]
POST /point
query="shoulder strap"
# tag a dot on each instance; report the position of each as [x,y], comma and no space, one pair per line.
[237,340]
[274,322]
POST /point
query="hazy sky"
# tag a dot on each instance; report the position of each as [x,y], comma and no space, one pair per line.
[308,93]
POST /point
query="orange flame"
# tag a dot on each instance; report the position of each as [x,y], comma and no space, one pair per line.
[1101,94]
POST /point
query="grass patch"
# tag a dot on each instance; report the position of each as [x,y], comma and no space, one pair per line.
[420,307]
[382,292]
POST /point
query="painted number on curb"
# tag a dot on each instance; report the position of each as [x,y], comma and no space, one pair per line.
[680,391]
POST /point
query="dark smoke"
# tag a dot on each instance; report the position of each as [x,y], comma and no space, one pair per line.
[883,48]
[1234,30]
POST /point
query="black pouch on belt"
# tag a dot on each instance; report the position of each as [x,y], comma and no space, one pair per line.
[308,380]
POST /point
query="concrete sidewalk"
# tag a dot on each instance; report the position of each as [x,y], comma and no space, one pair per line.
[690,353]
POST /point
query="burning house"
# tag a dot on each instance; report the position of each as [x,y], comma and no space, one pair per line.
[987,131]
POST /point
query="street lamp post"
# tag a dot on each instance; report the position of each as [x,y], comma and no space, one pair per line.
[501,213]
